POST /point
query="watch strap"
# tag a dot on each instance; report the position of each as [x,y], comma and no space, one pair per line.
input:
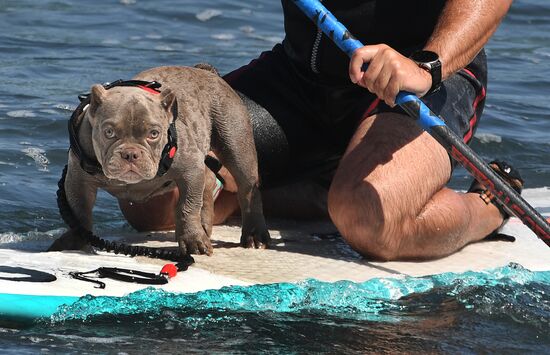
[435,72]
[430,62]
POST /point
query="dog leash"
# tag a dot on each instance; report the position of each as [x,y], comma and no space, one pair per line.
[109,246]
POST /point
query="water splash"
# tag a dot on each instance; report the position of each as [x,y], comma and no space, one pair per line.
[21,114]
[37,154]
[29,241]
[485,138]
[387,300]
[207,14]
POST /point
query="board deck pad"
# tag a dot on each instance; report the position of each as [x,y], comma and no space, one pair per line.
[299,251]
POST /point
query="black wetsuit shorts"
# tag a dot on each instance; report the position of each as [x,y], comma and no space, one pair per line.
[302,125]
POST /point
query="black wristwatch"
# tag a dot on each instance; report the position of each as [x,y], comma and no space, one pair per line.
[430,62]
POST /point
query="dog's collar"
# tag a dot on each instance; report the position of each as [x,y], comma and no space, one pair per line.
[91,165]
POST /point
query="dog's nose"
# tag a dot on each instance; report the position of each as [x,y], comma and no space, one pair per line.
[131,154]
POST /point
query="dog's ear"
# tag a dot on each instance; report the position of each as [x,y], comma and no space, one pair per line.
[97,96]
[167,99]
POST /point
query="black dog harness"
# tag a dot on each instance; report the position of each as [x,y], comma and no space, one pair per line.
[91,165]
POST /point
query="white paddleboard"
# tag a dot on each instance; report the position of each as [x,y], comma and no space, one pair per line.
[298,251]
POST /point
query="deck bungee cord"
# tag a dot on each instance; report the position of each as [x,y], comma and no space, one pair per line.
[507,198]
[126,275]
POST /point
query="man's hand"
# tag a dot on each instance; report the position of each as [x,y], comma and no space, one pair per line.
[388,73]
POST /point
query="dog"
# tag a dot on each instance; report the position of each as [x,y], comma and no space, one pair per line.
[143,142]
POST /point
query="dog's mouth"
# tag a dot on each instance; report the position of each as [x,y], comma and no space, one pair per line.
[128,173]
[130,176]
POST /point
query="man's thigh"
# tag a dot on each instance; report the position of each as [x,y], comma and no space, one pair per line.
[394,165]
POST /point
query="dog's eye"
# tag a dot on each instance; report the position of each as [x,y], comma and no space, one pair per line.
[154,134]
[109,133]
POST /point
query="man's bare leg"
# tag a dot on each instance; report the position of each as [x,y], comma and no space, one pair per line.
[156,214]
[304,200]
[389,199]
[299,201]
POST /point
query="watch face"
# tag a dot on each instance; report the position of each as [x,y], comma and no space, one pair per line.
[424,56]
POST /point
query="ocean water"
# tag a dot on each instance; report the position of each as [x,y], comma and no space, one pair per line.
[50,51]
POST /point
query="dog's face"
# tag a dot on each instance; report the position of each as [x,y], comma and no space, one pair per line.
[129,130]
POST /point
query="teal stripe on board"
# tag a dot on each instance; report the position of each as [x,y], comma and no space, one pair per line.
[29,307]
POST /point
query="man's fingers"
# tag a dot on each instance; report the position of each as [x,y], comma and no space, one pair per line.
[381,79]
[372,74]
[360,56]
[390,92]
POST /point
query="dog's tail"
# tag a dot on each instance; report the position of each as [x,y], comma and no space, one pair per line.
[207,67]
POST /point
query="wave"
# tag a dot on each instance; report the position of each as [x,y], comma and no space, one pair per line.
[510,292]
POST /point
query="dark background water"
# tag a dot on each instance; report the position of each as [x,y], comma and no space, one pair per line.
[52,50]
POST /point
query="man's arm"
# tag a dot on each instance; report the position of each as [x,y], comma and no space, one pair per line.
[463,28]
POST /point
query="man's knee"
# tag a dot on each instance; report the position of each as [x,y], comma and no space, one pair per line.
[357,212]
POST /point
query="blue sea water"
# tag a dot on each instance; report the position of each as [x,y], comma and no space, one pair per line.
[52,50]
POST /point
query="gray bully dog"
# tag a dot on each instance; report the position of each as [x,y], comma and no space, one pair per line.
[128,131]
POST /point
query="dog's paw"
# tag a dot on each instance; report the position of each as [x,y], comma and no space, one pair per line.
[70,241]
[257,238]
[195,243]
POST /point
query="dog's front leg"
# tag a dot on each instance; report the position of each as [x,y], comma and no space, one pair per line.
[190,233]
[81,194]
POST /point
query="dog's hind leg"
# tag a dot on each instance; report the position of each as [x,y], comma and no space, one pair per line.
[207,210]
[233,143]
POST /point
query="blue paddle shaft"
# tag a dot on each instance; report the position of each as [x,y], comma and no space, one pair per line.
[508,198]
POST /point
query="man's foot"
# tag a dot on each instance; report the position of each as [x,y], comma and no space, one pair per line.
[510,175]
